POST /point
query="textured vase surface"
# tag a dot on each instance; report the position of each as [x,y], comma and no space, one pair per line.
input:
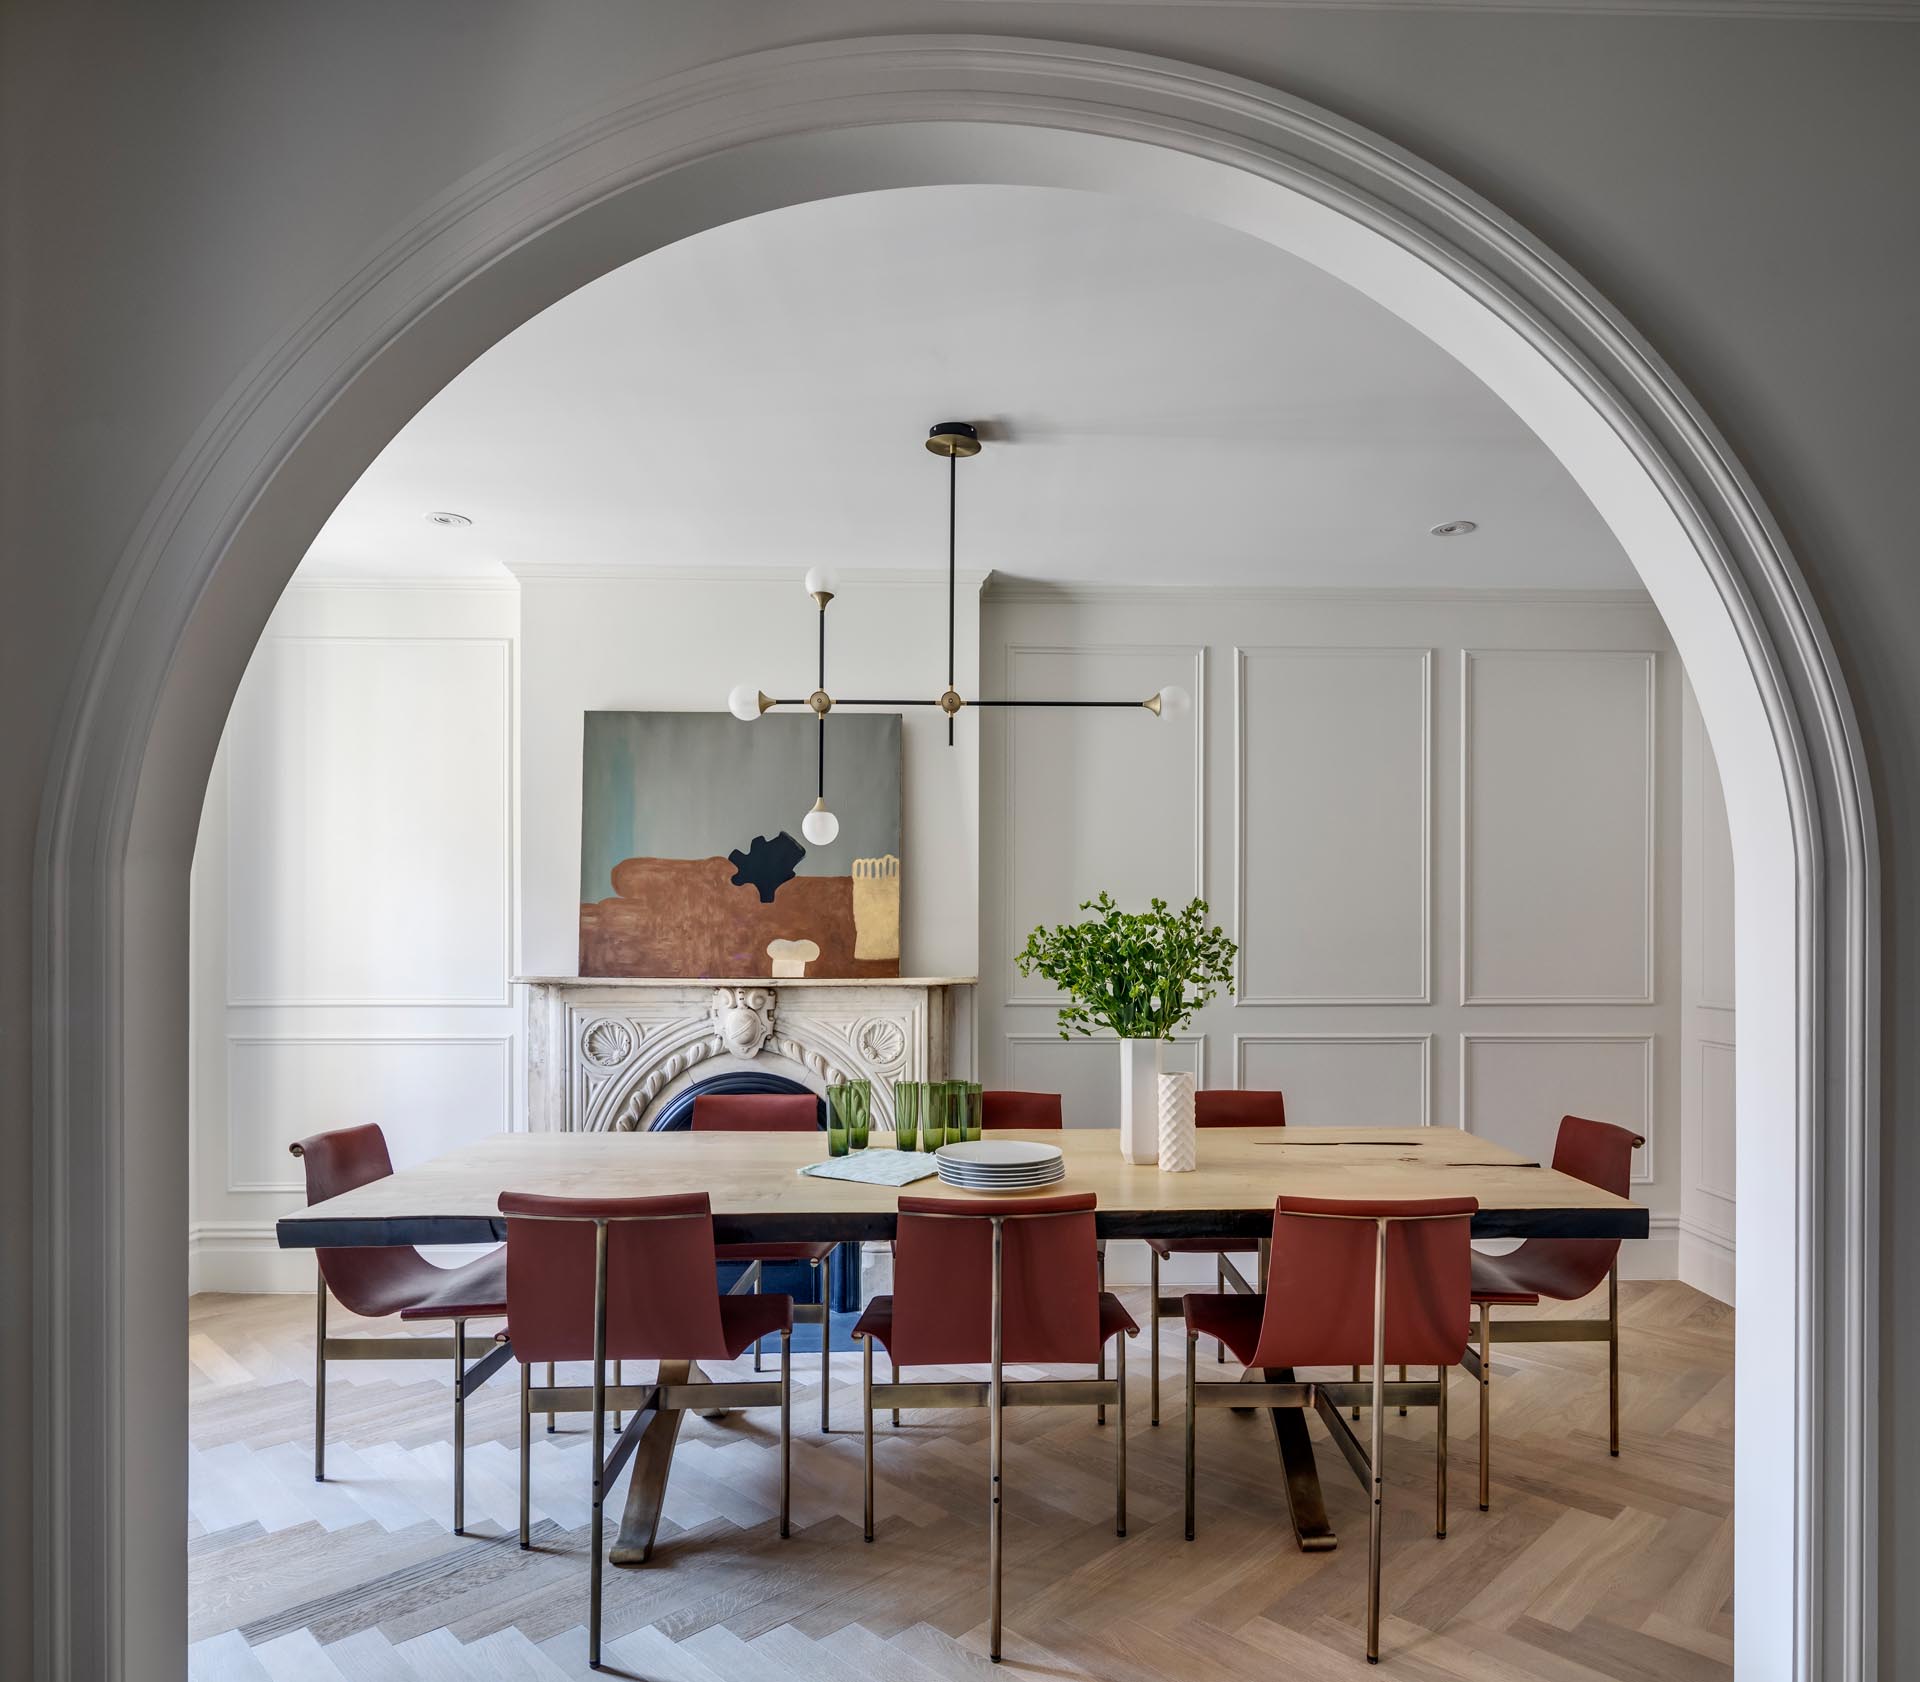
[1140,1100]
[1179,1148]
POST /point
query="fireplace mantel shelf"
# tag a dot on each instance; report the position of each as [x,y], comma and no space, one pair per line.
[745,981]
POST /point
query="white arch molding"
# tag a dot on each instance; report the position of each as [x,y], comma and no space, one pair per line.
[196,584]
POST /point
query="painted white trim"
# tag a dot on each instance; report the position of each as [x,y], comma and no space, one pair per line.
[1704,1259]
[1076,593]
[1424,1041]
[1822,11]
[1198,653]
[1642,1175]
[1725,1193]
[1241,997]
[219,536]
[1650,858]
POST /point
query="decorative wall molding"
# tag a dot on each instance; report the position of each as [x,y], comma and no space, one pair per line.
[1821,11]
[1187,1036]
[1701,1182]
[1085,594]
[1423,994]
[504,734]
[238,1183]
[1423,1041]
[1649,1127]
[1198,685]
[1646,995]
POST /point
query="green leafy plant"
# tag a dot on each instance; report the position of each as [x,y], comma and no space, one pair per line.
[1140,974]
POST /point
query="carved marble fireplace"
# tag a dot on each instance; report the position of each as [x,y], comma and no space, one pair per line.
[605,1053]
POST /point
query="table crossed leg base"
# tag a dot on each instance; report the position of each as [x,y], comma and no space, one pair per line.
[652,1463]
[1306,1506]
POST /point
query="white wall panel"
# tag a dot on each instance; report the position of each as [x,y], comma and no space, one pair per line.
[1514,1088]
[1086,1072]
[1333,825]
[1714,953]
[1557,827]
[1341,1080]
[1717,1116]
[369,823]
[427,1094]
[1096,798]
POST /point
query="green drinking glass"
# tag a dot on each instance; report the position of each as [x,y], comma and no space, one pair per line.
[973,1106]
[859,1112]
[906,1114]
[933,1115]
[837,1105]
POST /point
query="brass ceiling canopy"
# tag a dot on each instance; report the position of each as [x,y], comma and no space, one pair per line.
[954,438]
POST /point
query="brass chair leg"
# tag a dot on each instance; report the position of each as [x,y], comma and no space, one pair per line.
[1153,1334]
[1192,1346]
[550,1380]
[786,1432]
[756,1341]
[824,1274]
[1440,1458]
[1356,1380]
[1403,1380]
[866,1422]
[893,1367]
[1486,1405]
[1120,1434]
[996,1443]
[459,1427]
[1220,1285]
[1613,1359]
[619,1378]
[526,1454]
[320,1386]
[1100,1283]
[599,1430]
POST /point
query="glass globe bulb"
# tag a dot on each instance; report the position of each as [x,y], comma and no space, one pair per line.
[743,701]
[1174,700]
[820,826]
[819,581]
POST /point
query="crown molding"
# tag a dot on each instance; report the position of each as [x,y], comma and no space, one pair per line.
[1179,595]
[884,578]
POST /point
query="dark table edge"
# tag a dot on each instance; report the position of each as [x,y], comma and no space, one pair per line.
[298,1232]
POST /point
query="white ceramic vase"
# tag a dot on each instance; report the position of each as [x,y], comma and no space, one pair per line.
[1140,1100]
[1179,1149]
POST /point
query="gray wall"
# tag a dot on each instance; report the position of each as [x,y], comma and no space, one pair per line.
[182,181]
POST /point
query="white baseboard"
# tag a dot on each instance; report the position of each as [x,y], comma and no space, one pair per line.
[1706,1261]
[244,1258]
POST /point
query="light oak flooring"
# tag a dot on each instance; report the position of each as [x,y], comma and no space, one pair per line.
[1586,1567]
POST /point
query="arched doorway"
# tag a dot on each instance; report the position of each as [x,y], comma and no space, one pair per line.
[779,128]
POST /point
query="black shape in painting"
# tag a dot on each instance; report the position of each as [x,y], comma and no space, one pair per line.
[766,864]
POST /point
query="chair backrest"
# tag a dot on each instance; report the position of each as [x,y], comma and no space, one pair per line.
[663,1301]
[943,1280]
[1321,1272]
[1224,1108]
[1602,1155]
[756,1112]
[1031,1111]
[362,1279]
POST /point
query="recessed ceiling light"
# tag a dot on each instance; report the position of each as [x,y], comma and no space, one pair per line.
[1454,528]
[445,517]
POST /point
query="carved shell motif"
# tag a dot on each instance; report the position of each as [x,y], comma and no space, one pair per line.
[882,1043]
[607,1043]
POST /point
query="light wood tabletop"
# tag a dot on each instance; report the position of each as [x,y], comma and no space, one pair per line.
[759,1194]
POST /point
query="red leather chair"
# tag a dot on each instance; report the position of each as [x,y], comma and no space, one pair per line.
[1029,1111]
[777,1112]
[1562,1269]
[988,1281]
[631,1279]
[1220,1108]
[1349,1282]
[396,1279]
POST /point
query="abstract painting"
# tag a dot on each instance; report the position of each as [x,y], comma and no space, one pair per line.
[691,862]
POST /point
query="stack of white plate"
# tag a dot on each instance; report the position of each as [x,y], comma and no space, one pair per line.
[1000,1165]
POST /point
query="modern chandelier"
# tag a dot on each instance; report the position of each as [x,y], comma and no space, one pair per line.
[954,440]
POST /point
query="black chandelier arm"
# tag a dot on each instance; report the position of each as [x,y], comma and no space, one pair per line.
[953,498]
[1056,703]
[820,787]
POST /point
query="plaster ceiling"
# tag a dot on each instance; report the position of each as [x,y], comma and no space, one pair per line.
[1167,401]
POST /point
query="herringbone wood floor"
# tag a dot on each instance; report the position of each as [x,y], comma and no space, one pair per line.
[1586,1567]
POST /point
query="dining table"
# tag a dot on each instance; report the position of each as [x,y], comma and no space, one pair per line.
[758,1194]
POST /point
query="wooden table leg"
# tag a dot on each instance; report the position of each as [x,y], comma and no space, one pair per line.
[1305,1504]
[652,1461]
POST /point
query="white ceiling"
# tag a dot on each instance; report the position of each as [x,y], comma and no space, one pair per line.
[1170,401]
